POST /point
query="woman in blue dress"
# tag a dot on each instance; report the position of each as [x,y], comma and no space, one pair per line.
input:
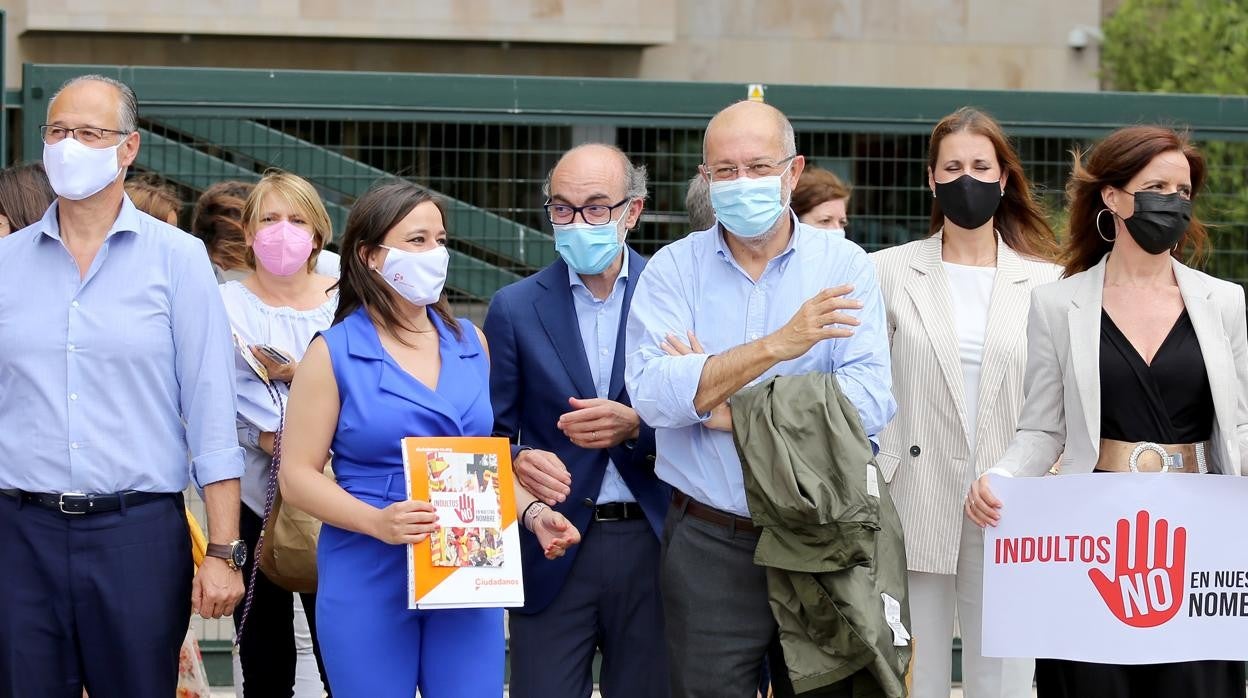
[394,364]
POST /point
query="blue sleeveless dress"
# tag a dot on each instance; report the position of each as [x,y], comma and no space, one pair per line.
[372,645]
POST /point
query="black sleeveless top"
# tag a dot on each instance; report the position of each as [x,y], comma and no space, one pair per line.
[1167,402]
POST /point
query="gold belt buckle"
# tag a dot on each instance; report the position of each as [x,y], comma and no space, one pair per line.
[1167,461]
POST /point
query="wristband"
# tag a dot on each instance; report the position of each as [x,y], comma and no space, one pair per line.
[529,514]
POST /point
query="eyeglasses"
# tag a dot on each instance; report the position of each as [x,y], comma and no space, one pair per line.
[761,168]
[86,135]
[593,214]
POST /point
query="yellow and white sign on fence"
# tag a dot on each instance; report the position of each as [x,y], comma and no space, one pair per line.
[1129,568]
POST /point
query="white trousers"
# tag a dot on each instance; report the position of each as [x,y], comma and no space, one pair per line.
[934,598]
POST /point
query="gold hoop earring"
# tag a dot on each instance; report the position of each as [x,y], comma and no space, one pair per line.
[1098,226]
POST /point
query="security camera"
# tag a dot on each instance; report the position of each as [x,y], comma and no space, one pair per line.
[1082,35]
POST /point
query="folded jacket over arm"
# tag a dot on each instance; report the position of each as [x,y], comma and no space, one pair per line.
[831,540]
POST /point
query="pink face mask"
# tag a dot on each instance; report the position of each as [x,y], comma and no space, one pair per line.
[282,248]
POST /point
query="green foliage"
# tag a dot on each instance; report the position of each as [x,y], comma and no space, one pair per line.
[1192,46]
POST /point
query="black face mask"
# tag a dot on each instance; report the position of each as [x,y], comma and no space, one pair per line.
[1159,220]
[967,201]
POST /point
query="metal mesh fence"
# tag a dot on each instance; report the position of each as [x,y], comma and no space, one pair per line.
[486,144]
[493,175]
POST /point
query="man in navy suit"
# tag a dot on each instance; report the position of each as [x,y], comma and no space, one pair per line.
[557,383]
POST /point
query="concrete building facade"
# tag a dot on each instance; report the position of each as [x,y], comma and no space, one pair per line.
[1020,44]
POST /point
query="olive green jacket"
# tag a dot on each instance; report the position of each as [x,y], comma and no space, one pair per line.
[831,540]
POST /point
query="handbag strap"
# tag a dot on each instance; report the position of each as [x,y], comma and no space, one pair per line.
[270,493]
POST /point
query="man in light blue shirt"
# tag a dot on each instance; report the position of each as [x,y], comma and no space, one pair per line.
[557,386]
[758,295]
[117,362]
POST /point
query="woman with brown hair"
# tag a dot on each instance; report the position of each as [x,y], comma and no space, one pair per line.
[956,302]
[152,195]
[395,364]
[218,220]
[25,196]
[1130,314]
[821,199]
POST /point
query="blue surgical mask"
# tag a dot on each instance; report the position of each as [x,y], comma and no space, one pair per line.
[588,249]
[749,207]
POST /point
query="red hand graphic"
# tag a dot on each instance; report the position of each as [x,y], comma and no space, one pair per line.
[1140,594]
[466,509]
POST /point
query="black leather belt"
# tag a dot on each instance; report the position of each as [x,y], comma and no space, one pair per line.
[618,511]
[79,503]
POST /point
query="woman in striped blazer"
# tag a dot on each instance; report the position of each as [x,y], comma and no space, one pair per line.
[957,305]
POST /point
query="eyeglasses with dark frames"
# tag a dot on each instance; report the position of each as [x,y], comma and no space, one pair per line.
[592,214]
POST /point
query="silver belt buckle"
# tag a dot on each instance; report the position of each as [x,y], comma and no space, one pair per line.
[1167,461]
[61,502]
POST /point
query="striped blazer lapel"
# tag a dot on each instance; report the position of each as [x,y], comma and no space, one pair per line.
[1007,321]
[929,291]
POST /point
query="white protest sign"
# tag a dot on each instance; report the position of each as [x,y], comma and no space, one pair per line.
[1118,568]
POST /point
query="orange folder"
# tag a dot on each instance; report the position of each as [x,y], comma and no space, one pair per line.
[473,559]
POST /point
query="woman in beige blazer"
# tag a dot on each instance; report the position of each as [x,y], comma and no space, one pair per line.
[956,303]
[1171,340]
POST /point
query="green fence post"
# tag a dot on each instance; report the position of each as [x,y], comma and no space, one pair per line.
[34,109]
[4,110]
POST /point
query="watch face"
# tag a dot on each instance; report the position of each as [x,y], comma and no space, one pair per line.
[239,554]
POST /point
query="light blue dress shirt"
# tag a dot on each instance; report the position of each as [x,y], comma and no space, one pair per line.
[696,284]
[108,381]
[599,321]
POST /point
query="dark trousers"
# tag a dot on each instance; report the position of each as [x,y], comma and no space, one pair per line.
[719,625]
[609,602]
[266,649]
[100,601]
[1059,678]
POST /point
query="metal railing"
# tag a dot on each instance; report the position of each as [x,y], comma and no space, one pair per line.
[486,143]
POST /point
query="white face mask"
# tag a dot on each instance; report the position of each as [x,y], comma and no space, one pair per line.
[77,171]
[417,276]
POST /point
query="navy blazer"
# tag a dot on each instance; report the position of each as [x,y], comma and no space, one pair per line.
[537,362]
